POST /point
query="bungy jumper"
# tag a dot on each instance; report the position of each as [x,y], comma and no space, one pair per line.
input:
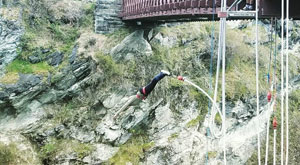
[143,92]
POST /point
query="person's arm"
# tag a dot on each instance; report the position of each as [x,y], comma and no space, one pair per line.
[131,99]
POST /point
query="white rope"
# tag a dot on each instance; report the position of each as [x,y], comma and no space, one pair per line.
[267,141]
[274,148]
[257,81]
[282,80]
[213,113]
[223,80]
[287,83]
[215,106]
[205,93]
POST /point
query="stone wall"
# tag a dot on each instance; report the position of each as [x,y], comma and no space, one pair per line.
[106,16]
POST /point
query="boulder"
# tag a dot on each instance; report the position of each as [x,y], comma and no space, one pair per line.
[55,58]
[131,47]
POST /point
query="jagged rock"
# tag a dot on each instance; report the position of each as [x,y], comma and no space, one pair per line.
[116,131]
[81,135]
[55,59]
[34,59]
[102,153]
[29,95]
[20,147]
[10,34]
[166,41]
[25,82]
[72,56]
[131,47]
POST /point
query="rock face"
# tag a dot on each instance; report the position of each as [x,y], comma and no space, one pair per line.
[18,145]
[133,46]
[10,34]
[106,16]
[29,94]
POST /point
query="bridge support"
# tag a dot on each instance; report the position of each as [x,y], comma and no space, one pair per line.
[106,16]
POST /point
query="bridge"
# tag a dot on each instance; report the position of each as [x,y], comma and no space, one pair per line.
[197,10]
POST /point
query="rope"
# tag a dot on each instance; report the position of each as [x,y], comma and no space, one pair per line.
[205,93]
[214,113]
[210,72]
[282,80]
[274,148]
[287,84]
[275,54]
[271,89]
[257,80]
[223,78]
[271,48]
[267,141]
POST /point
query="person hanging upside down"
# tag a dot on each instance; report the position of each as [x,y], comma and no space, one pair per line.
[144,91]
[249,5]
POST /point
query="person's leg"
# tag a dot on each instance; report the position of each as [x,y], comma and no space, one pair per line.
[148,89]
[249,5]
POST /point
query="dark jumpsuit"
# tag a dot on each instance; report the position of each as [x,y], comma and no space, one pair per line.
[148,89]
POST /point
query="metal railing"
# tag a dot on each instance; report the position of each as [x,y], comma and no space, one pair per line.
[146,8]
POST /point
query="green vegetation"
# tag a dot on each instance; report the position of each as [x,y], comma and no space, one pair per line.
[174,83]
[55,147]
[194,122]
[202,101]
[25,67]
[8,153]
[21,66]
[173,136]
[132,151]
[218,119]
[50,25]
[108,65]
[295,100]
[65,114]
[212,154]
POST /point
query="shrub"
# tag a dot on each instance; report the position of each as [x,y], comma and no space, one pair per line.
[7,153]
[65,10]
[55,147]
[132,151]
[196,121]
[108,65]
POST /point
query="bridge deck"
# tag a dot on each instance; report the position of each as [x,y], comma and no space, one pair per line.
[176,10]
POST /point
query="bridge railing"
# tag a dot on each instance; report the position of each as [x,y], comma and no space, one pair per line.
[144,8]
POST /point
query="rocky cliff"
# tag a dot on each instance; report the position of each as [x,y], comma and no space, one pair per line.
[10,34]
[63,113]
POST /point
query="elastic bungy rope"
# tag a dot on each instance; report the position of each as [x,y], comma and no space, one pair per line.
[271,90]
[223,80]
[257,80]
[274,148]
[271,48]
[275,55]
[214,113]
[282,80]
[210,73]
[274,81]
[287,84]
